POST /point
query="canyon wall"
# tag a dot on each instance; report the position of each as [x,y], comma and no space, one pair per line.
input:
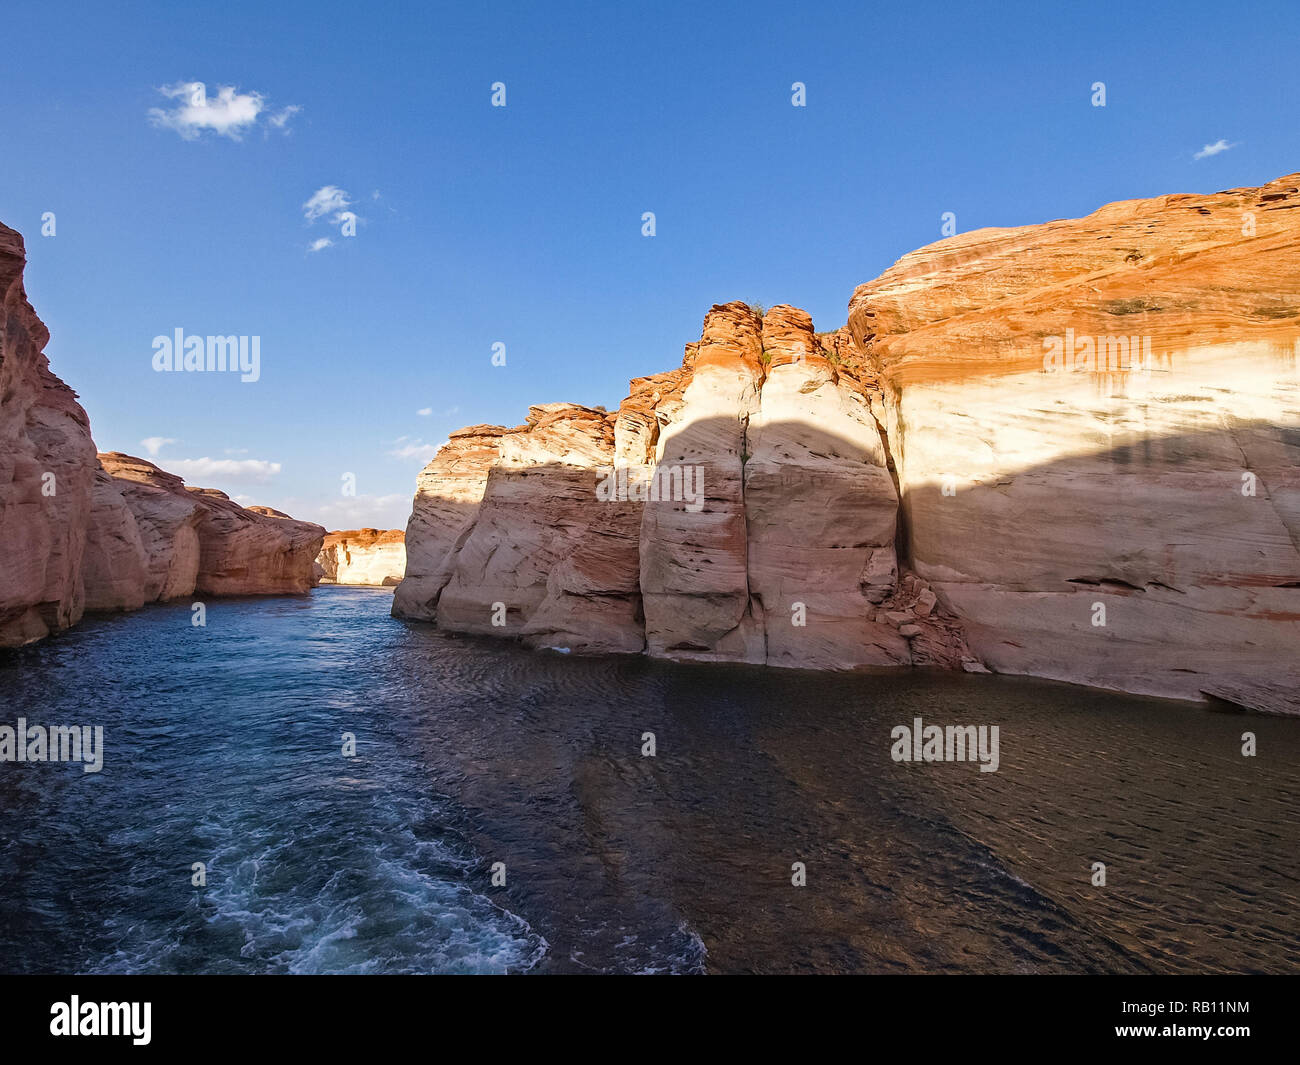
[1096,429]
[737,509]
[82,531]
[1066,450]
[47,471]
[363,556]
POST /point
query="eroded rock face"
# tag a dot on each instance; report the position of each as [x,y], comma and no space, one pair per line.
[167,519]
[47,471]
[363,556]
[242,552]
[198,541]
[544,559]
[736,509]
[447,496]
[1121,520]
[115,561]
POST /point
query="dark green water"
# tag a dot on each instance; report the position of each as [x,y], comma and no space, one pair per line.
[222,745]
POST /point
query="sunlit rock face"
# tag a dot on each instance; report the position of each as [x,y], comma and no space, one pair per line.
[363,556]
[1096,429]
[820,509]
[694,574]
[544,559]
[47,471]
[242,552]
[447,496]
[736,509]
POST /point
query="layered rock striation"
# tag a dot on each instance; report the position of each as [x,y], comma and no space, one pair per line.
[1096,429]
[47,470]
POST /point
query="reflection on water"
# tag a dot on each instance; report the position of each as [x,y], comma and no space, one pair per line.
[223,745]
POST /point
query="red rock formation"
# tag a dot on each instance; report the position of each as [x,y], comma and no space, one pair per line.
[1039,483]
[114,565]
[200,541]
[109,532]
[47,470]
[1044,484]
[579,529]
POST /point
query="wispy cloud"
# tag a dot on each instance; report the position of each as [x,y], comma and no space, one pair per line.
[245,471]
[354,512]
[424,412]
[1213,149]
[227,113]
[281,118]
[406,447]
[154,444]
[328,199]
[332,202]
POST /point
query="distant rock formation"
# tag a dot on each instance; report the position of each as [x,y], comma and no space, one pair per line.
[82,531]
[363,556]
[1069,450]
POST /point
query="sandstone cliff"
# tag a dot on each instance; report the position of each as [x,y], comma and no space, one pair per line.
[1066,450]
[739,508]
[1096,428]
[200,541]
[363,556]
[47,471]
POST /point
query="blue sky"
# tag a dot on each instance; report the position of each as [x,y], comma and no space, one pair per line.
[523,225]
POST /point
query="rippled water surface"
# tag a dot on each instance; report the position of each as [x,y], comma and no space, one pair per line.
[223,746]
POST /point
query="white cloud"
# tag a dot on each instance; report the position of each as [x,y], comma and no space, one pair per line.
[1213,149]
[405,447]
[154,444]
[230,113]
[281,118]
[320,244]
[424,412]
[328,199]
[248,471]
